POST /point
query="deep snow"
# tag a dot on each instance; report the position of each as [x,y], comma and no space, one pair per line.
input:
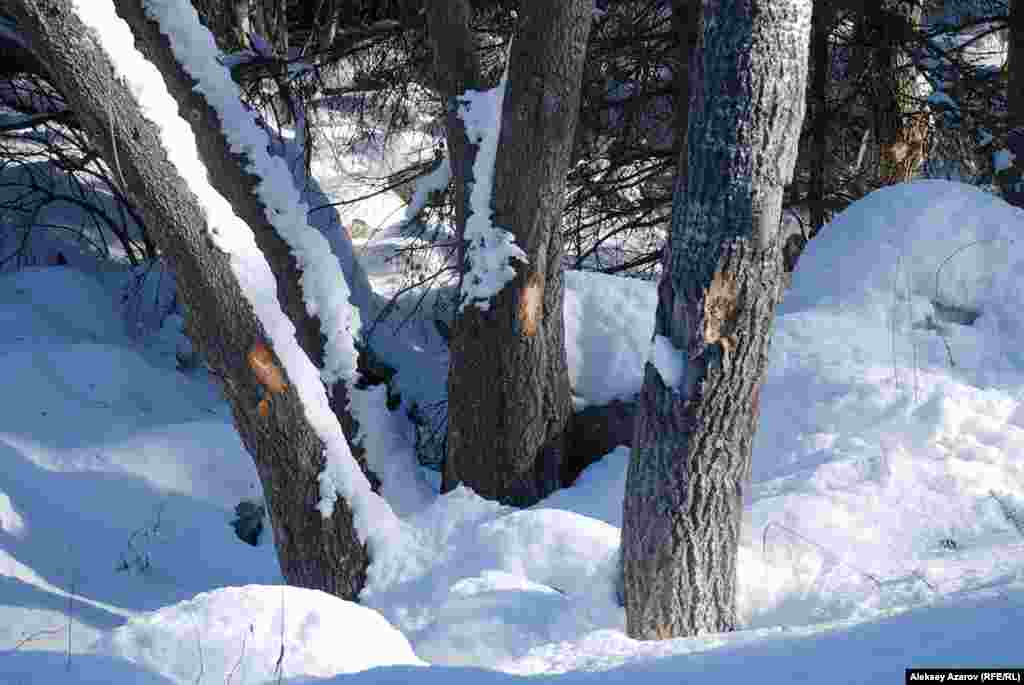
[883,528]
[869,457]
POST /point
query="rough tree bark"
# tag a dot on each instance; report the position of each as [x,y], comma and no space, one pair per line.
[686,23]
[822,61]
[722,279]
[1010,180]
[313,552]
[1015,81]
[508,383]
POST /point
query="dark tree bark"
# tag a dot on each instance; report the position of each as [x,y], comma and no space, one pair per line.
[259,18]
[457,70]
[240,24]
[313,552]
[508,383]
[722,279]
[897,123]
[686,22]
[1010,180]
[1015,82]
[278,24]
[328,24]
[822,62]
[15,58]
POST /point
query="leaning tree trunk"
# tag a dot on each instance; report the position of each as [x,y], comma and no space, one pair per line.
[313,551]
[722,279]
[508,382]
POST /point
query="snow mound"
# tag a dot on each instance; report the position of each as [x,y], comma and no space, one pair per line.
[56,303]
[238,630]
[572,553]
[608,326]
[548,576]
[485,619]
[898,238]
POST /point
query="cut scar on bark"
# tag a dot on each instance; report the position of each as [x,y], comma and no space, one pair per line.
[530,299]
[266,370]
[721,308]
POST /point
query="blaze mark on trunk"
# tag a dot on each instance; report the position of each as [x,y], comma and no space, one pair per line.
[721,309]
[531,299]
[268,375]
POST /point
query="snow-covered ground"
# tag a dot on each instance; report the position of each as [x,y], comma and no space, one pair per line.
[880,534]
[884,528]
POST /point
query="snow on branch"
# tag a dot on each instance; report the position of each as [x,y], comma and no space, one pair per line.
[323,283]
[432,182]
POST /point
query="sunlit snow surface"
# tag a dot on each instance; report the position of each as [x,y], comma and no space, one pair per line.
[874,452]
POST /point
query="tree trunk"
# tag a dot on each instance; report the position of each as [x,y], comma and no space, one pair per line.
[1015,80]
[240,25]
[686,22]
[508,382]
[822,62]
[1010,180]
[901,131]
[457,70]
[328,20]
[279,32]
[313,552]
[716,300]
[259,18]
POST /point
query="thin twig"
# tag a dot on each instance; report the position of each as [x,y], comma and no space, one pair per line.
[32,637]
[279,666]
[1009,512]
[113,146]
[199,648]
[231,674]
[71,618]
[803,538]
